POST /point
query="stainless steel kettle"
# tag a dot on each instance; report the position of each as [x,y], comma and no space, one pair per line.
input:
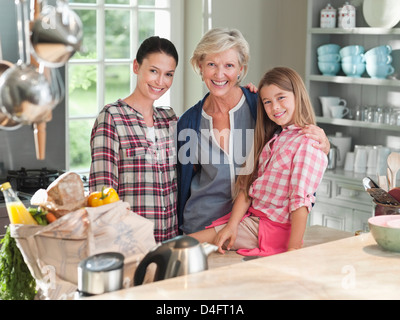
[176,257]
[333,157]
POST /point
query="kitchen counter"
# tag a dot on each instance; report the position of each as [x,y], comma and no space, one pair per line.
[350,268]
[313,235]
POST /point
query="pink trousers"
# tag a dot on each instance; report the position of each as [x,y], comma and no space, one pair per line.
[270,238]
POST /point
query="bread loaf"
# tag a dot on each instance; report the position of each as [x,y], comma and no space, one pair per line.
[65,194]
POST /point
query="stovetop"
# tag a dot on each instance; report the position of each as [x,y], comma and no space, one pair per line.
[27,181]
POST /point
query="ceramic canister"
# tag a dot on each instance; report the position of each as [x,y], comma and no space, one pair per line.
[347,16]
[328,17]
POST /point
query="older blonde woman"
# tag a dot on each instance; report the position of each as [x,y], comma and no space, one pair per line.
[216,135]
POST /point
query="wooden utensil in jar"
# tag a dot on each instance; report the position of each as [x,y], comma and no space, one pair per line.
[393,162]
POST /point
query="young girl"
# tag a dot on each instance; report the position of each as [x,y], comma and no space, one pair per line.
[272,203]
[131,140]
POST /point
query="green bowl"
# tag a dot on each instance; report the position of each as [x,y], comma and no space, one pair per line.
[386,231]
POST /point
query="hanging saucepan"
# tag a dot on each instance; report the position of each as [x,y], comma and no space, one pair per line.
[56,35]
[26,95]
[6,123]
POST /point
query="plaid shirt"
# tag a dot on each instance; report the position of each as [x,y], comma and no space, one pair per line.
[142,172]
[290,170]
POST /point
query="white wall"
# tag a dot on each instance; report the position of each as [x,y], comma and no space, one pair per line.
[275,30]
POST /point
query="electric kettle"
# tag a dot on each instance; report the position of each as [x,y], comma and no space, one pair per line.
[176,257]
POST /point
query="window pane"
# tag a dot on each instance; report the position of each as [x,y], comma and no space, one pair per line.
[82,1]
[117,34]
[79,144]
[88,18]
[146,25]
[162,24]
[117,2]
[146,3]
[117,82]
[82,90]
[154,3]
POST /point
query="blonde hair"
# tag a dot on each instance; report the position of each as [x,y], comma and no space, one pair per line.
[218,40]
[288,80]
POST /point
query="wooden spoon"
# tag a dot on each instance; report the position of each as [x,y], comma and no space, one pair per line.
[389,179]
[393,161]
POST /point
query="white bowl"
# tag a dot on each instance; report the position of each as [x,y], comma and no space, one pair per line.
[381,13]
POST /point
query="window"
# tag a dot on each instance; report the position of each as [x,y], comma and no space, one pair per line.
[102,73]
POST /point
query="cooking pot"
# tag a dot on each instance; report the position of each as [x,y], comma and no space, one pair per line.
[176,257]
[26,94]
[6,123]
[101,273]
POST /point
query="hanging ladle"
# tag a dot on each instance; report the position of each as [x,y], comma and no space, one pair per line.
[39,128]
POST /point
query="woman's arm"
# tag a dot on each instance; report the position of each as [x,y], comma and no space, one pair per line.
[104,145]
[229,232]
[316,133]
[299,222]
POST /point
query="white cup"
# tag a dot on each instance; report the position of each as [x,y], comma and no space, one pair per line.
[349,162]
[339,112]
[372,158]
[326,102]
[360,159]
[381,165]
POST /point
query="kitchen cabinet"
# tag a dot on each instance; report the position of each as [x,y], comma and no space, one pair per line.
[342,202]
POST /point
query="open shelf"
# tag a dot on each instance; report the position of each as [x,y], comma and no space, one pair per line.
[357,124]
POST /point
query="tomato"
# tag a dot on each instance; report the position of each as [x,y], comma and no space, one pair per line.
[105,196]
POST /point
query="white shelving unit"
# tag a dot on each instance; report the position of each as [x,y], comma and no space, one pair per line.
[363,91]
[341,200]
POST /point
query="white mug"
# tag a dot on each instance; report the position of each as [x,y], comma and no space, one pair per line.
[339,112]
[381,165]
[372,157]
[326,102]
[360,159]
[349,162]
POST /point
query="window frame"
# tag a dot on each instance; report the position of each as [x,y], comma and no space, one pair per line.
[176,10]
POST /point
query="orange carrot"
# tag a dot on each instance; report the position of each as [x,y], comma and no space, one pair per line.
[50,217]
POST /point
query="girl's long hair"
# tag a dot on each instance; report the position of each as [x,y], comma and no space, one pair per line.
[288,80]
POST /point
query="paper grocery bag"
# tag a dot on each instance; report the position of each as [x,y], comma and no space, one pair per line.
[53,252]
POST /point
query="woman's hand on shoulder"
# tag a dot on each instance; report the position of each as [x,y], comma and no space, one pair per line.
[253,88]
[318,134]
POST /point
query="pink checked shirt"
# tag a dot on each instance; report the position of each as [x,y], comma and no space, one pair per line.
[290,170]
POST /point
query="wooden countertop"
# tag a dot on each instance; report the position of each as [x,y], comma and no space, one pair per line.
[351,268]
